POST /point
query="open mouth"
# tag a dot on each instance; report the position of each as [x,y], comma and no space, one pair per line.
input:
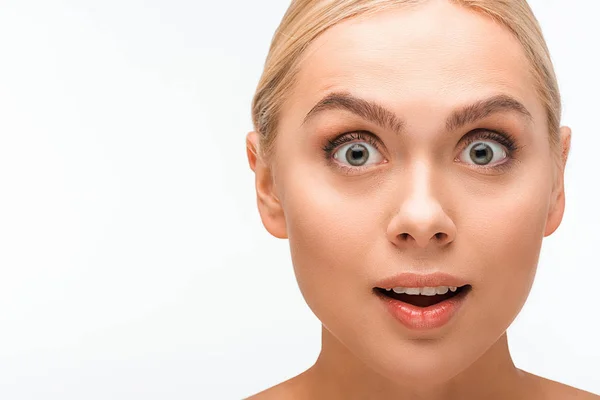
[423,297]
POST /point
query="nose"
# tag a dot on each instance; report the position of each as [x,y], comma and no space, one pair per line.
[421,220]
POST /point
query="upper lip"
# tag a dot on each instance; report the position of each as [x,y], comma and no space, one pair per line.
[413,280]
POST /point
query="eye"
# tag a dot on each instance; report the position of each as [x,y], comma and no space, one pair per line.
[358,154]
[483,152]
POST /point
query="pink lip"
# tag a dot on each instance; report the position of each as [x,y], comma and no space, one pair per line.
[423,318]
[409,279]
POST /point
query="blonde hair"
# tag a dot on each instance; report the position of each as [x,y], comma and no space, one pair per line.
[305,20]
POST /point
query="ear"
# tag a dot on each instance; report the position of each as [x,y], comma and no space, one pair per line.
[269,206]
[557,207]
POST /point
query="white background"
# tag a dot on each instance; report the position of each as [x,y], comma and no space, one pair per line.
[133,263]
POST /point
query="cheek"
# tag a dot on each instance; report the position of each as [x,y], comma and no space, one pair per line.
[505,242]
[334,224]
[330,235]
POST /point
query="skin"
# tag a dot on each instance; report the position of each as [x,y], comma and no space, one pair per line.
[420,204]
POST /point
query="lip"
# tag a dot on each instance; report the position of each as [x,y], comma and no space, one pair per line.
[423,318]
[410,279]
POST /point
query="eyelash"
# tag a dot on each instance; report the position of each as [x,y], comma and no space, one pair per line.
[503,138]
[332,145]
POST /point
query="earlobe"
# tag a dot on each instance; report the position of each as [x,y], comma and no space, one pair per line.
[269,206]
[557,207]
[555,214]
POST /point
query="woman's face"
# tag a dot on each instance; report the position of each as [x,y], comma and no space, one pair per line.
[429,176]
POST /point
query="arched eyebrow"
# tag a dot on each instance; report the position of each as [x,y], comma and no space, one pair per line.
[379,115]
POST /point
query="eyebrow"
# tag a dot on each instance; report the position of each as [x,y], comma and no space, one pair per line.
[376,113]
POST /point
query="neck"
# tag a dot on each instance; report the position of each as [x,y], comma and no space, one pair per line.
[338,374]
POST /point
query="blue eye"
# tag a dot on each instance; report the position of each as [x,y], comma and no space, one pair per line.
[358,154]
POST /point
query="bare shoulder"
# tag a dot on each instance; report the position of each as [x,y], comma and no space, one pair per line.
[292,389]
[273,393]
[560,391]
[552,390]
[541,388]
[281,391]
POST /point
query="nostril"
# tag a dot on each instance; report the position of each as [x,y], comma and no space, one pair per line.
[440,238]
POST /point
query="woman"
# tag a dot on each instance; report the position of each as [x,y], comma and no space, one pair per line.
[412,153]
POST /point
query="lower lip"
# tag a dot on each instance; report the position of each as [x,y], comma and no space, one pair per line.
[425,318]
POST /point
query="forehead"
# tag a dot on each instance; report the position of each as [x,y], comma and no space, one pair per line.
[432,56]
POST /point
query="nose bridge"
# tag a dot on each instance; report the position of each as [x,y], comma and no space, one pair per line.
[421,196]
[421,216]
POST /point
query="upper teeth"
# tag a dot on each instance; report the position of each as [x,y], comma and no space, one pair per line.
[427,291]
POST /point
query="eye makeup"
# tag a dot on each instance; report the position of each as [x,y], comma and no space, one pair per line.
[501,137]
[506,140]
[332,145]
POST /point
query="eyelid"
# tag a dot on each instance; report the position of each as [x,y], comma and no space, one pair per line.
[332,146]
[504,138]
